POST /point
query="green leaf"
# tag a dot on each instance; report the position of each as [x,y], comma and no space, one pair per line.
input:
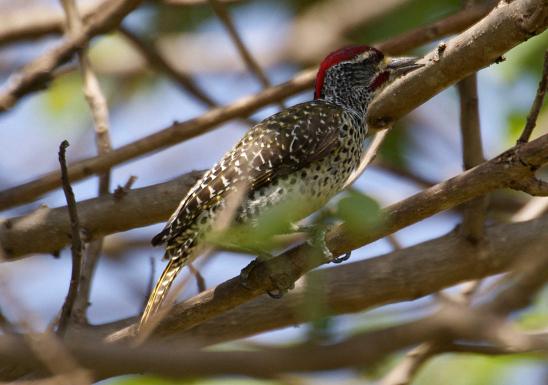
[359,212]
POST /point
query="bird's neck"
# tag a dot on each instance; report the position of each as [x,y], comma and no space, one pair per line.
[355,102]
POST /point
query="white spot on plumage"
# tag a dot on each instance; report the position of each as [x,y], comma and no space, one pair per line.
[292,143]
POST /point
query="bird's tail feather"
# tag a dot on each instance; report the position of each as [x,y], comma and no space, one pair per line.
[161,289]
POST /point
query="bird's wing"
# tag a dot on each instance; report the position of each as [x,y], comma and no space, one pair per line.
[279,145]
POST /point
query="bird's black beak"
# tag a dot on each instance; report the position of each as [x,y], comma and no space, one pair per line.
[399,66]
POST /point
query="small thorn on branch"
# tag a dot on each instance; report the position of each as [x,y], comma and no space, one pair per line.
[121,191]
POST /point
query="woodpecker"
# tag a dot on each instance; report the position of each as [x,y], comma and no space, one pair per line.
[304,153]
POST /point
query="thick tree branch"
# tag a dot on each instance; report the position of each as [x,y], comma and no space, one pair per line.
[478,47]
[49,228]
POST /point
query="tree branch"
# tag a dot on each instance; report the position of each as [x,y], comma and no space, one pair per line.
[472,153]
[100,114]
[37,74]
[98,217]
[252,65]
[37,22]
[537,104]
[76,247]
[478,47]
[156,60]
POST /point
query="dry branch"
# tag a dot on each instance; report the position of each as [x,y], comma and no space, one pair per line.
[252,65]
[49,228]
[100,114]
[76,242]
[537,103]
[478,47]
[155,59]
[472,226]
[37,22]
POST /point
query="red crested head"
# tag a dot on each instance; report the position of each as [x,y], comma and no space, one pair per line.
[341,55]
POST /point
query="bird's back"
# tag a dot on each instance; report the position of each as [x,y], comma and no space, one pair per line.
[298,153]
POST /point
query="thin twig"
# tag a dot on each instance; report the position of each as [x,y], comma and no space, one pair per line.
[537,104]
[252,65]
[398,171]
[76,246]
[46,346]
[99,111]
[157,60]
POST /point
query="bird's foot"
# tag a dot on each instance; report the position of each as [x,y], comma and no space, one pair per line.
[281,282]
[342,258]
[317,233]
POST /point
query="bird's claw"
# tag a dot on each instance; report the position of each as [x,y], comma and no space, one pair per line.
[317,240]
[275,294]
[342,258]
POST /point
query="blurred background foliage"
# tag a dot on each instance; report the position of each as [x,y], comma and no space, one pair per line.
[423,148]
